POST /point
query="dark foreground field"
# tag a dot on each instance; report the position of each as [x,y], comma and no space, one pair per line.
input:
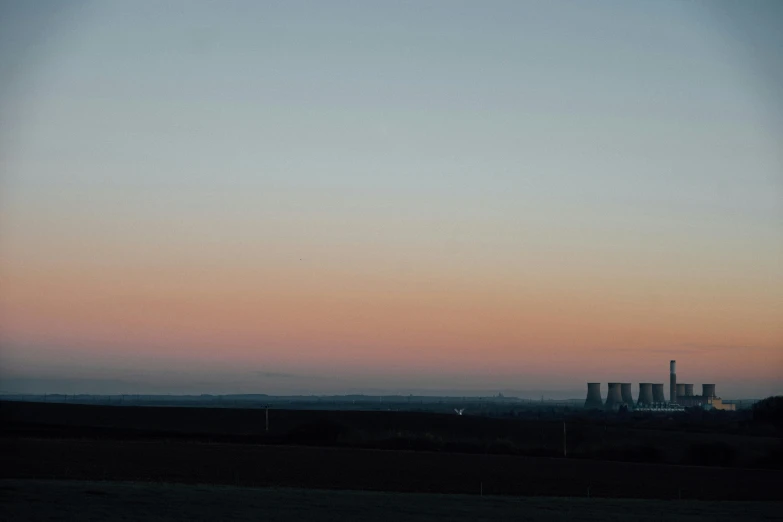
[721,440]
[24,500]
[378,470]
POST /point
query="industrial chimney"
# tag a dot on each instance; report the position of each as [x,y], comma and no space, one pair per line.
[614,397]
[645,394]
[593,400]
[673,381]
[689,390]
[657,393]
[625,393]
[708,390]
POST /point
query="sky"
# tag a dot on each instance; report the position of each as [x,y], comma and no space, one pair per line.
[343,197]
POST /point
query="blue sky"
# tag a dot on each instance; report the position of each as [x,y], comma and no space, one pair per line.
[536,146]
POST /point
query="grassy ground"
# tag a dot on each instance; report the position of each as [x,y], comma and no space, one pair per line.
[22,500]
[593,438]
[357,469]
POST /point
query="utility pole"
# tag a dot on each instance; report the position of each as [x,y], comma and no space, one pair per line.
[564,440]
[267,418]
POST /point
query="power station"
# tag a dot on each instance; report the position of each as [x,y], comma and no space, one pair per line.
[594,401]
[646,394]
[651,396]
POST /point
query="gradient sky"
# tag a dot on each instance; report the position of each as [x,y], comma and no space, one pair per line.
[333,197]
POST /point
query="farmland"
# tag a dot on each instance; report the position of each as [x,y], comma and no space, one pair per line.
[379,470]
[402,452]
[631,440]
[24,500]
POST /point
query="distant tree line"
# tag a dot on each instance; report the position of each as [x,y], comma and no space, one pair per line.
[769,410]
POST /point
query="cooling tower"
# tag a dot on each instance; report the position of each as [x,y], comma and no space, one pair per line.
[657,393]
[593,400]
[708,390]
[680,390]
[689,390]
[646,394]
[614,397]
[625,393]
[673,381]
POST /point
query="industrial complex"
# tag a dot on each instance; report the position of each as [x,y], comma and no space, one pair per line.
[651,396]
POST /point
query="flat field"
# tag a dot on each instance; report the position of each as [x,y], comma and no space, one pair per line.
[589,438]
[32,500]
[255,465]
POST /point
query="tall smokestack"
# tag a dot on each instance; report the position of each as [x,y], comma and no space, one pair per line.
[673,381]
[593,400]
[645,394]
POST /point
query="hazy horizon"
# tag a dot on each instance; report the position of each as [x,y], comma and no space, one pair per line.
[112,387]
[223,381]
[260,197]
